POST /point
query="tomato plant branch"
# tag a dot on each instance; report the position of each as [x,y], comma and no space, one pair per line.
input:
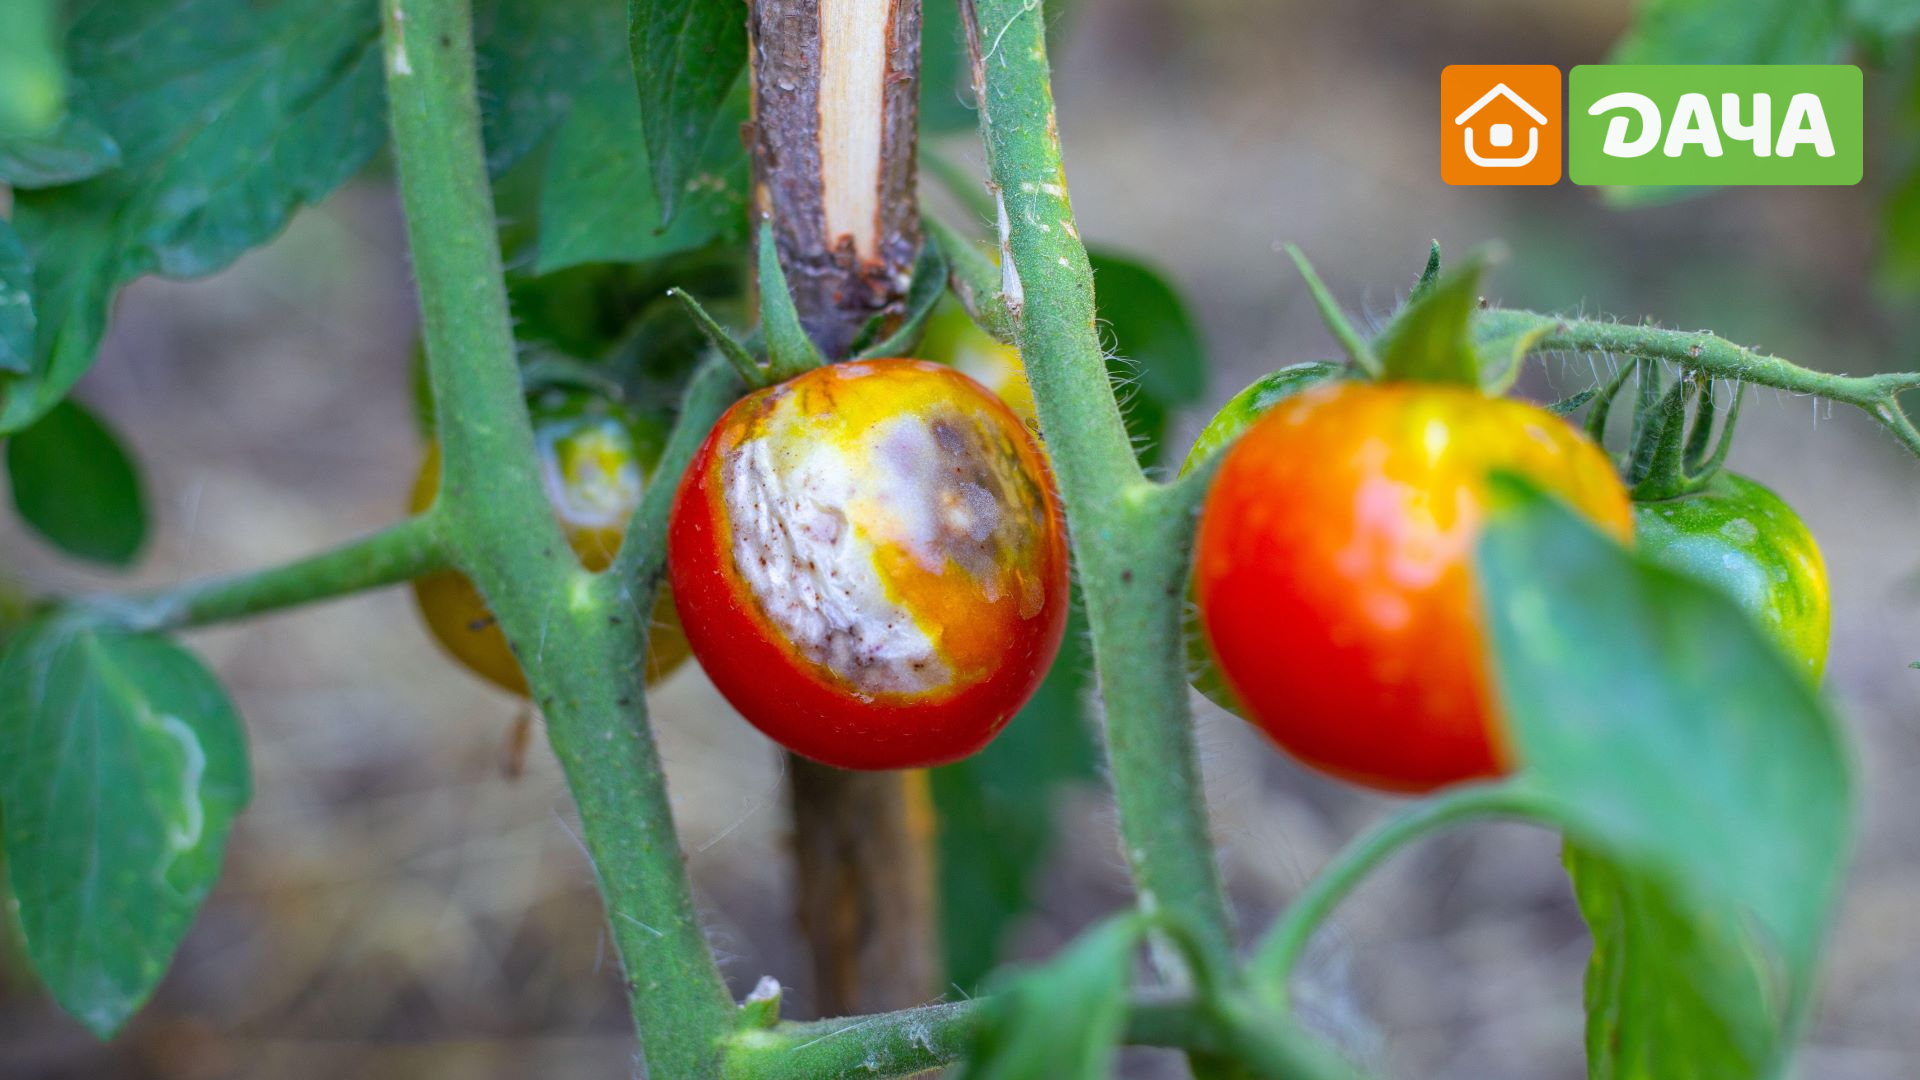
[579,637]
[392,555]
[1286,941]
[1711,355]
[1130,538]
[913,1041]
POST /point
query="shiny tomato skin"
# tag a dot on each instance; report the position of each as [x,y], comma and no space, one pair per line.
[1738,536]
[911,647]
[1334,571]
[593,468]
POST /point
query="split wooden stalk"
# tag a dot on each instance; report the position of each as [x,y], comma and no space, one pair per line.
[836,92]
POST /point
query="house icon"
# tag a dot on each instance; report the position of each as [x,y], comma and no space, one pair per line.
[1501,134]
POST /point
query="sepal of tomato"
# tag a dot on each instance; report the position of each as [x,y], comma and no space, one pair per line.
[870,563]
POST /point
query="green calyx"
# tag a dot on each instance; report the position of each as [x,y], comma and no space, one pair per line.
[1432,338]
[1667,456]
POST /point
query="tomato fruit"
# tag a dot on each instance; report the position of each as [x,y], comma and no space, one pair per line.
[1741,538]
[871,564]
[1334,571]
[1227,425]
[594,467]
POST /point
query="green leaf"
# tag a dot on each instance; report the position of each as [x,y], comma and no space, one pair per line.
[1431,338]
[687,55]
[597,203]
[1155,348]
[789,350]
[1888,18]
[1062,1021]
[122,766]
[1733,32]
[1664,976]
[1672,742]
[75,484]
[533,59]
[229,116]
[16,302]
[75,149]
[33,87]
[996,811]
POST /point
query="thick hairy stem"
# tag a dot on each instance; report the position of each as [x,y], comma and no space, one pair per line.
[390,556]
[836,94]
[836,87]
[1130,538]
[1697,350]
[579,637]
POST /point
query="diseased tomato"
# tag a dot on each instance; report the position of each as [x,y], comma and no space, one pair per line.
[1227,425]
[1334,571]
[871,563]
[1740,537]
[594,468]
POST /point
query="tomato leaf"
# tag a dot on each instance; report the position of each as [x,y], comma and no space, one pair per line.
[687,55]
[1732,32]
[533,59]
[32,81]
[122,766]
[1705,778]
[1350,339]
[1155,349]
[1664,977]
[76,485]
[1062,1021]
[1430,339]
[16,301]
[596,204]
[229,116]
[997,811]
[75,149]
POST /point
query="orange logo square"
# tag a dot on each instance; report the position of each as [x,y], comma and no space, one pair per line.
[1500,124]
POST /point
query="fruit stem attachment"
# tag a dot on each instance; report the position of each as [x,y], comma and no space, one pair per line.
[1280,950]
[578,637]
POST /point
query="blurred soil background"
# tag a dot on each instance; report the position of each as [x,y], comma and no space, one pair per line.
[394,906]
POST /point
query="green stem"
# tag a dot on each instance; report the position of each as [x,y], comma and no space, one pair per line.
[579,637]
[1130,538]
[1280,950]
[1714,356]
[390,556]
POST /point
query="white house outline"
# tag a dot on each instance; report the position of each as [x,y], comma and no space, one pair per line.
[1499,89]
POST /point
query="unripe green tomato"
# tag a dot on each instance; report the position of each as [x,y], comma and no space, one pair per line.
[1741,538]
[594,467]
[1235,417]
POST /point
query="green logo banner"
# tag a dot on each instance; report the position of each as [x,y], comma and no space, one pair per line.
[1732,124]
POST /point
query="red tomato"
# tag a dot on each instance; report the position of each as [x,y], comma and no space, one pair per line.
[870,563]
[1334,571]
